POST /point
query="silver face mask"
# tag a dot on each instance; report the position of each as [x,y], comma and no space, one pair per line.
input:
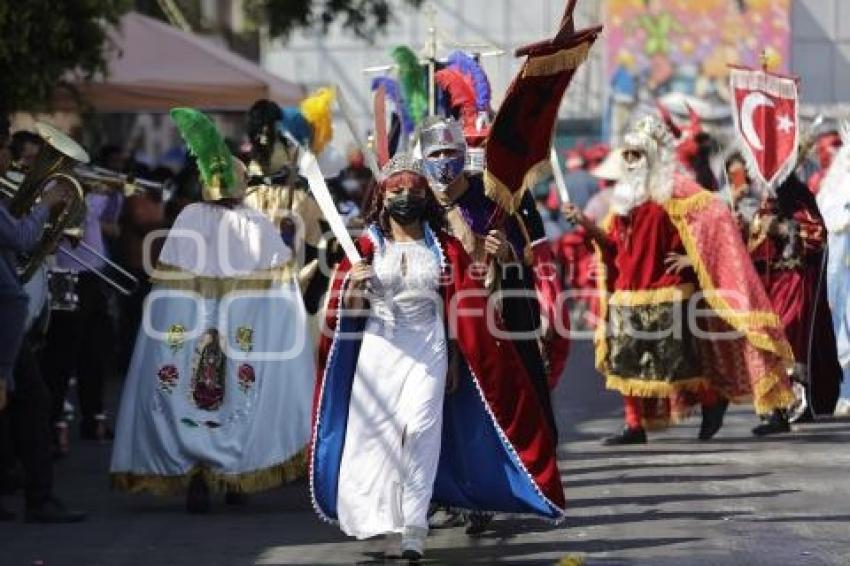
[443,171]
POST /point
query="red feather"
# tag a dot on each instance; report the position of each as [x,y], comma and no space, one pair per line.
[461,92]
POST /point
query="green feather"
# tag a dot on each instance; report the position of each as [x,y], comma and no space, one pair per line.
[215,162]
[413,79]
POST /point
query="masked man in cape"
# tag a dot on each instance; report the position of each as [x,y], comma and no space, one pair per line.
[833,201]
[500,245]
[684,318]
[218,392]
[529,266]
[496,452]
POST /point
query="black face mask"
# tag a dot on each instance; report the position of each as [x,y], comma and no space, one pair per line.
[406,209]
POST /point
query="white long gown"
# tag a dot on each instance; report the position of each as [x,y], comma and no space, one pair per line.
[392,444]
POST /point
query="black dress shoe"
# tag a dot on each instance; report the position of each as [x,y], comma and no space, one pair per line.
[777,423]
[628,436]
[53,511]
[198,496]
[712,419]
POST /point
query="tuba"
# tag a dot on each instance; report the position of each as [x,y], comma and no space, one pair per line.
[54,163]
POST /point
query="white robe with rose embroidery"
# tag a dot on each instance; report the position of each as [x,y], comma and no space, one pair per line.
[222,374]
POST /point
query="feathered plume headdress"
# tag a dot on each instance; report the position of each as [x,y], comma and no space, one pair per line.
[215,162]
[311,123]
[413,79]
[317,110]
[393,92]
[468,90]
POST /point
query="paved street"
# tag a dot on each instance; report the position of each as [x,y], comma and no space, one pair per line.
[675,501]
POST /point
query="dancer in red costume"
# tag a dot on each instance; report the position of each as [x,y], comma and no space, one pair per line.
[668,247]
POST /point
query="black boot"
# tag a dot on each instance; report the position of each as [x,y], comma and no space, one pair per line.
[775,424]
[712,419]
[52,511]
[628,436]
[198,496]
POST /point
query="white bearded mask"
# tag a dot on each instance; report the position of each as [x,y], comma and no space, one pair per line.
[632,190]
[651,175]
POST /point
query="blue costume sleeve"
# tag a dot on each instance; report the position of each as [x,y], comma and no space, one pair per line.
[21,234]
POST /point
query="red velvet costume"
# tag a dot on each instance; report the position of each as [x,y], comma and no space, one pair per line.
[789,261]
[639,293]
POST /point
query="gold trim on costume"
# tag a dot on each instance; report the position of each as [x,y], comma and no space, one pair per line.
[639,387]
[209,287]
[767,397]
[652,296]
[502,194]
[558,62]
[249,482]
[739,321]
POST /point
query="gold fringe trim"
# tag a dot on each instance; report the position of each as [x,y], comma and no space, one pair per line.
[249,482]
[558,62]
[652,296]
[601,338]
[176,278]
[509,200]
[635,387]
[681,206]
[740,321]
[770,393]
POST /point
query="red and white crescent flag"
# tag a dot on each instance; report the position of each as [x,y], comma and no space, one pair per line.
[765,111]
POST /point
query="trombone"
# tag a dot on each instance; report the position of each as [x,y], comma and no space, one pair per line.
[92,174]
[53,164]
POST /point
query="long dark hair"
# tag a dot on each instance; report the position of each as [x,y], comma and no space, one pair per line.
[435,214]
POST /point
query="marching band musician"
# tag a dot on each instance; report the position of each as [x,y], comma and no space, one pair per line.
[80,340]
[28,414]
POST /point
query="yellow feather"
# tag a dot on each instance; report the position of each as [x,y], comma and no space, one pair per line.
[317,110]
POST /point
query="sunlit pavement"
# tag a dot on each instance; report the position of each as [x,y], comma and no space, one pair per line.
[675,501]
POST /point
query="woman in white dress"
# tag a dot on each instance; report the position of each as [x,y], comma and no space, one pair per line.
[392,446]
[400,333]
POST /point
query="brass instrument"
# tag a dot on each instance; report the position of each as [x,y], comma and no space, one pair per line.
[129,185]
[54,164]
[59,154]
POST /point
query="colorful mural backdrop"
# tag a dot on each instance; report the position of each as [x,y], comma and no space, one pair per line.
[658,47]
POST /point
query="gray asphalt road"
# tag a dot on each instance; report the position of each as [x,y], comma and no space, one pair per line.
[675,501]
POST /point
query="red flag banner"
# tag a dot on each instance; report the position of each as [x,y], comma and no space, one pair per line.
[517,150]
[765,109]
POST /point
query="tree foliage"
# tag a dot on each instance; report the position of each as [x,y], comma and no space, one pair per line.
[364,18]
[42,41]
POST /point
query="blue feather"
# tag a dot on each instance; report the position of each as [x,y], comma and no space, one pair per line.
[294,122]
[467,65]
[393,91]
